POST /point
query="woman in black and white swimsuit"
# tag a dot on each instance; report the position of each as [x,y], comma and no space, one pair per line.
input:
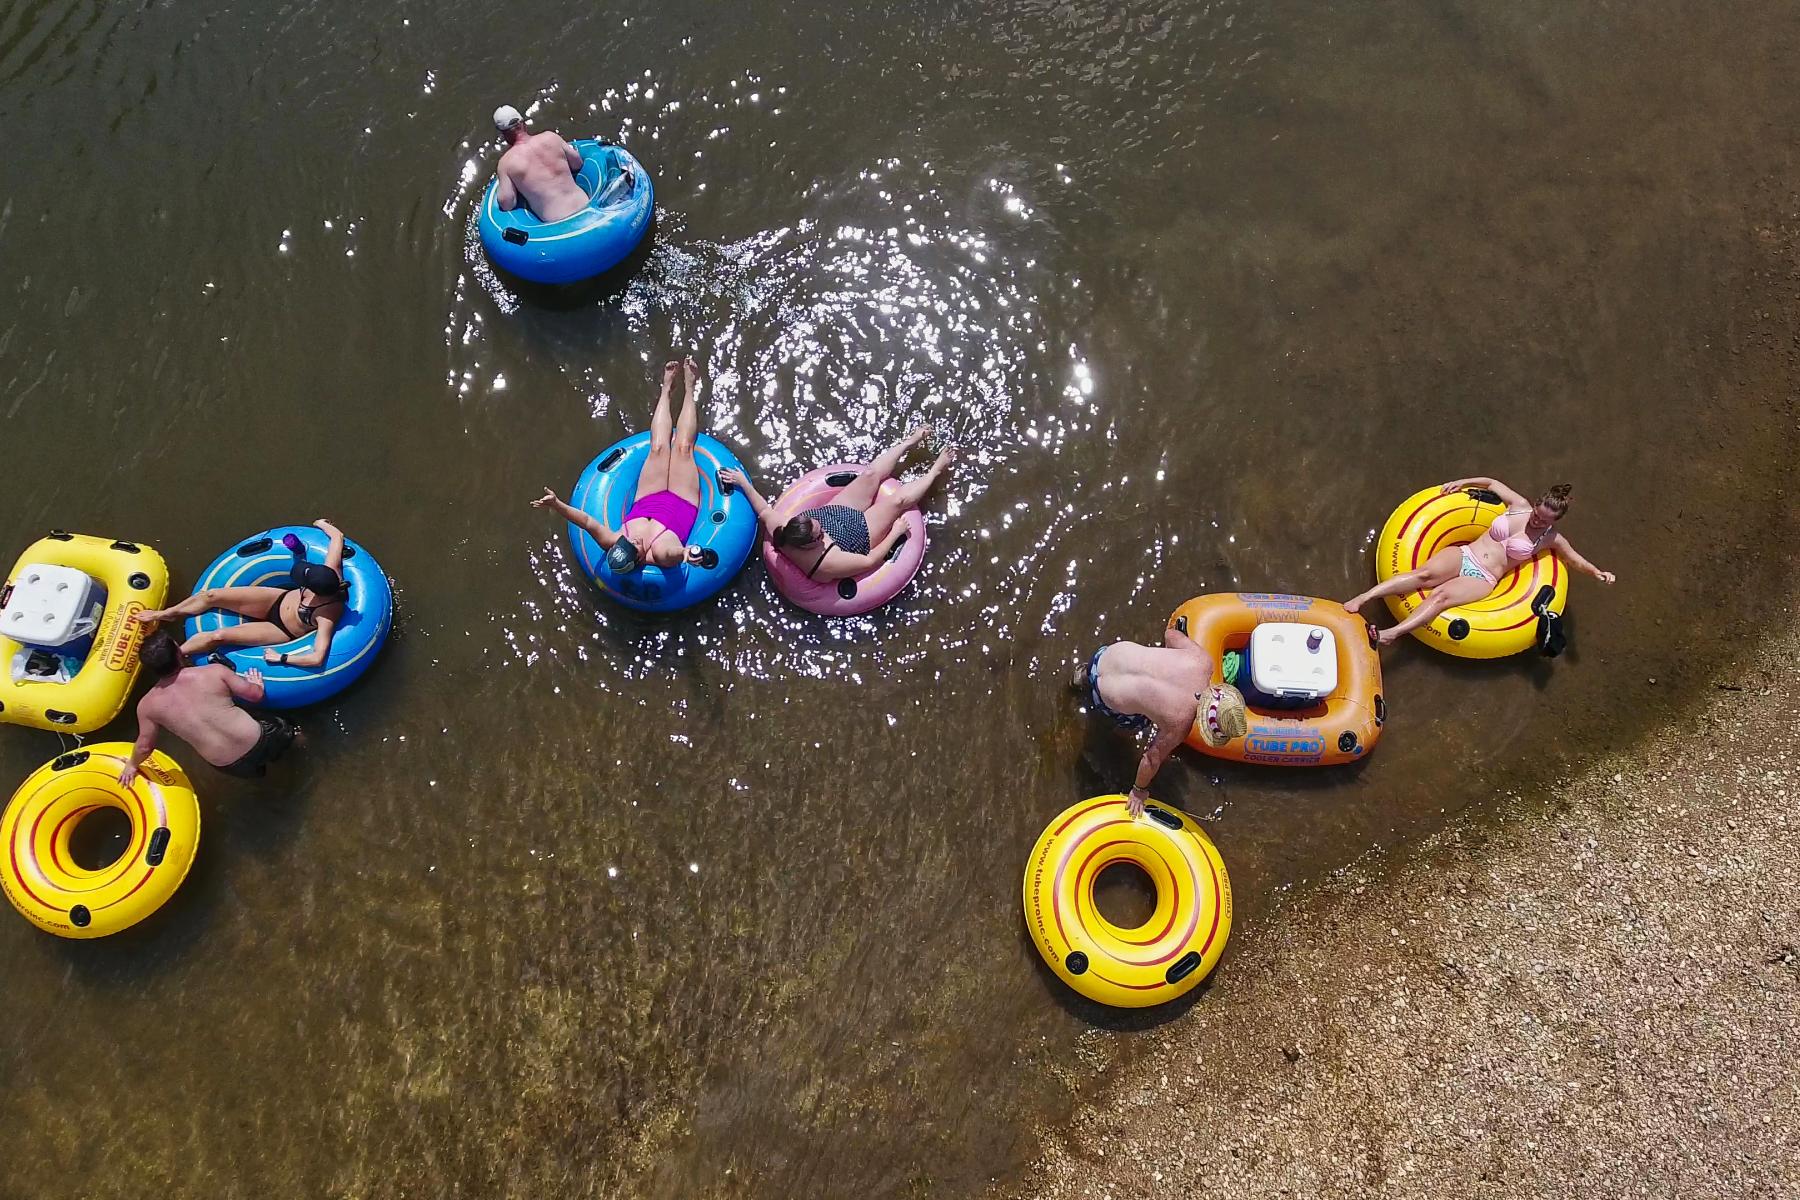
[275,615]
[853,533]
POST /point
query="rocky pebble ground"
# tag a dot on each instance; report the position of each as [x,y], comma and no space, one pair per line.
[1591,992]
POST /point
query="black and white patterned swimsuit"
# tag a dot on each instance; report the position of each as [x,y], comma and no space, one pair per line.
[847,528]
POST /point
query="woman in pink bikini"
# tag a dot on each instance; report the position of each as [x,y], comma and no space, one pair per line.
[659,521]
[1464,574]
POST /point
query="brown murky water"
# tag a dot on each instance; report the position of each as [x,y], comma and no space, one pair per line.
[563,901]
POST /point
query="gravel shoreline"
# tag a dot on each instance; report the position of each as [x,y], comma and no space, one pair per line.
[1603,994]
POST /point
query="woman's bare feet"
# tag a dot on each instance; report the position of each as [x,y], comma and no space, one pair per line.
[1387,637]
[1355,602]
[916,436]
[913,492]
[691,370]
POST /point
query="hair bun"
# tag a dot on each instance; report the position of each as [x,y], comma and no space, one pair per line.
[1557,498]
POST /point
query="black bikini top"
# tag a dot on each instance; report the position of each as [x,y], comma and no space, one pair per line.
[308,613]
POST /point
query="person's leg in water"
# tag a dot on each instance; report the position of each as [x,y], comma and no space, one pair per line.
[860,492]
[1437,570]
[684,472]
[890,506]
[1464,589]
[655,475]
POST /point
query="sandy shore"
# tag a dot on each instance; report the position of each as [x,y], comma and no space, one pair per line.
[1600,998]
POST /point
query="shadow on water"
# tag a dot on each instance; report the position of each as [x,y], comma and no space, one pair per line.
[1199,785]
[602,289]
[1115,1020]
[262,817]
[1532,666]
[240,820]
[161,942]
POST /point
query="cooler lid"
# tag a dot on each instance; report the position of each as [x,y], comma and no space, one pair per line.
[47,604]
[1292,659]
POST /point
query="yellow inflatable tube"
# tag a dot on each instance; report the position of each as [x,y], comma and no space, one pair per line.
[1130,968]
[136,579]
[1506,621]
[59,895]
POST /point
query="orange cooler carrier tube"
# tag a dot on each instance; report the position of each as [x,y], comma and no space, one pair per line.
[1342,728]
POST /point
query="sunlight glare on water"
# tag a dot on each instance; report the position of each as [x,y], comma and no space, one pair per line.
[565,900]
[827,340]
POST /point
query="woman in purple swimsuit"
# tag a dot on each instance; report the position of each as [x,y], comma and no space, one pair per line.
[658,523]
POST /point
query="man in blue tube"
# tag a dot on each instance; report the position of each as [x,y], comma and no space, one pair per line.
[538,168]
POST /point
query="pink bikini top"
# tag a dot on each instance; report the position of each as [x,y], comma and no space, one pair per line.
[1518,546]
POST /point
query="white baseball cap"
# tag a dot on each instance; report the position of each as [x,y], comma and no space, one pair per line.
[506,116]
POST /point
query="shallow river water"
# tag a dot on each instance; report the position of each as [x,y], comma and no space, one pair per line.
[564,901]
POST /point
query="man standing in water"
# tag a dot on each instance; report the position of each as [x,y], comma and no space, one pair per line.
[538,168]
[200,706]
[1167,690]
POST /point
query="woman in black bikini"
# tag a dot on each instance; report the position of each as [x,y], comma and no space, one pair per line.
[853,533]
[274,615]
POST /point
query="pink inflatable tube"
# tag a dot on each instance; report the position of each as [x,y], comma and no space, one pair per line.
[843,597]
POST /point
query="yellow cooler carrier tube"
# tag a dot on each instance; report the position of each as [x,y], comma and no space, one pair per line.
[1130,968]
[1342,728]
[1506,620]
[59,895]
[136,579]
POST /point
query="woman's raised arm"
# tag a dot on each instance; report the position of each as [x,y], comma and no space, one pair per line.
[334,547]
[1487,483]
[765,512]
[606,537]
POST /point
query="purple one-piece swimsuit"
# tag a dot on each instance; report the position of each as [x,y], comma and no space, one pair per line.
[667,509]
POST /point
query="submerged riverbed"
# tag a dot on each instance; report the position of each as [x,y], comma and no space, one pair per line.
[565,901]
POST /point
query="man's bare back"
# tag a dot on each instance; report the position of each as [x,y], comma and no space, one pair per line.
[199,705]
[1162,689]
[539,168]
[1159,682]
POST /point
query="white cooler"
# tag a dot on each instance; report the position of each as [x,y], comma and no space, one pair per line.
[1293,664]
[51,606]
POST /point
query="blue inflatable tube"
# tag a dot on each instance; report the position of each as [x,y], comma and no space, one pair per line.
[726,527]
[590,243]
[263,561]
